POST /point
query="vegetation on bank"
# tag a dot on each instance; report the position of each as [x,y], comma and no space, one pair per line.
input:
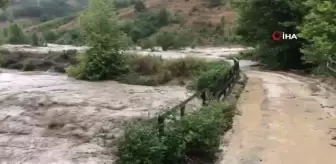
[311,20]
[195,135]
[106,59]
[153,70]
[101,32]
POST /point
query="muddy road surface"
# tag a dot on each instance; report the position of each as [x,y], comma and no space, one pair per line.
[284,119]
[48,118]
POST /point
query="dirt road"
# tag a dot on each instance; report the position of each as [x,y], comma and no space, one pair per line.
[285,119]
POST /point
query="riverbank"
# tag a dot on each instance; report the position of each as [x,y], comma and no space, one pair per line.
[56,58]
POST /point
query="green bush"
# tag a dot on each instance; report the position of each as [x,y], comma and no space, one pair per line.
[163,17]
[182,38]
[105,59]
[141,28]
[165,40]
[16,35]
[72,37]
[148,43]
[145,65]
[77,71]
[195,135]
[103,65]
[174,39]
[35,41]
[141,145]
[318,28]
[139,6]
[49,36]
[258,19]
[146,70]
[146,24]
[153,70]
[203,129]
[187,67]
[212,78]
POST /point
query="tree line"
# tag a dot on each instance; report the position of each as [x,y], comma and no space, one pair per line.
[43,10]
[312,20]
[14,34]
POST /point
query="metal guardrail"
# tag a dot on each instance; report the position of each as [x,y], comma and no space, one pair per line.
[331,64]
[218,92]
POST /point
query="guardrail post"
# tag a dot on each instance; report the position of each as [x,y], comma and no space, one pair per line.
[183,110]
[161,125]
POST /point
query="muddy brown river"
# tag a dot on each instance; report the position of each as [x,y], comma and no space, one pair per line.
[50,118]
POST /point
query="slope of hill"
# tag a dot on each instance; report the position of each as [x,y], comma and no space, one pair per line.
[40,10]
[193,11]
[194,15]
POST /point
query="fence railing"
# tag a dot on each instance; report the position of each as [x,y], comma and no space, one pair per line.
[331,64]
[219,91]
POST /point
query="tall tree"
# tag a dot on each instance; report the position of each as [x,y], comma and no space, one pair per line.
[163,17]
[16,35]
[3,4]
[35,40]
[102,33]
[259,18]
[319,28]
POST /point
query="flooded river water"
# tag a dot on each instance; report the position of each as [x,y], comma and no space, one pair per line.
[50,118]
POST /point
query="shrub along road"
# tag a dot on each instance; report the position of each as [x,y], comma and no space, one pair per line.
[285,119]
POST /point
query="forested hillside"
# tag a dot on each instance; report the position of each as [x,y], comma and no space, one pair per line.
[173,24]
[312,20]
[42,10]
[198,22]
